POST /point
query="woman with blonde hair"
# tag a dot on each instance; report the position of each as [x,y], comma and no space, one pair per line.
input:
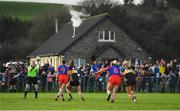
[130,80]
[114,80]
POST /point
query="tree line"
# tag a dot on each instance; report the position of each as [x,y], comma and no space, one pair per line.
[18,37]
[154,24]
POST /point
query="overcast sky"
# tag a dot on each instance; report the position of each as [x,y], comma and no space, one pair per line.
[61,1]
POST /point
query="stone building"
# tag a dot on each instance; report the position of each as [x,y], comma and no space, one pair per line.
[98,37]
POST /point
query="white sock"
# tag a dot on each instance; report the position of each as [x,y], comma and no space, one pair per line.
[108,92]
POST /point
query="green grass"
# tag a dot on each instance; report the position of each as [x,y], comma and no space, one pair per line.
[94,101]
[25,10]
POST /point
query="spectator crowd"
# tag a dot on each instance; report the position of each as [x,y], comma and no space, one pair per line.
[158,76]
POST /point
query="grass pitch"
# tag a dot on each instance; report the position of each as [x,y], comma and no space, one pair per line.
[94,101]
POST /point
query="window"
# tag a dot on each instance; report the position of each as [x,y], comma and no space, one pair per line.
[101,35]
[106,36]
[79,61]
[112,35]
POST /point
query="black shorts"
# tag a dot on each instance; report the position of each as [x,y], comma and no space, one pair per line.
[130,79]
[74,83]
[75,80]
[31,80]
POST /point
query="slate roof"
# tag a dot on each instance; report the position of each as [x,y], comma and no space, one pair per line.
[59,42]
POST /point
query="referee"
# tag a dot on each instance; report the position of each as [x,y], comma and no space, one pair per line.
[31,79]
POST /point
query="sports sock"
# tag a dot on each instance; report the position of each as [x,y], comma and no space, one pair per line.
[108,98]
[36,94]
[25,94]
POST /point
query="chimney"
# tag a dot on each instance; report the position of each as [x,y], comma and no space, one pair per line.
[56,25]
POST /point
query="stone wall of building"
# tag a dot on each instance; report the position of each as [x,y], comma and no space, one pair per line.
[87,45]
[109,53]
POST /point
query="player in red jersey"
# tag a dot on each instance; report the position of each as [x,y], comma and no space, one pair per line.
[63,79]
[114,80]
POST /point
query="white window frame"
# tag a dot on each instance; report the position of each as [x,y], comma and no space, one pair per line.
[114,34]
[109,34]
[79,61]
[99,35]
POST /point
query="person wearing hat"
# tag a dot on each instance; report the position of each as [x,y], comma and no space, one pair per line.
[114,80]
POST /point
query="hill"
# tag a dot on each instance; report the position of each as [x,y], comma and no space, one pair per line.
[26,10]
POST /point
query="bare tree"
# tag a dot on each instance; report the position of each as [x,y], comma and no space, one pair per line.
[95,7]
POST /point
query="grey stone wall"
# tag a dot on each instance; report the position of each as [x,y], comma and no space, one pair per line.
[87,45]
[109,53]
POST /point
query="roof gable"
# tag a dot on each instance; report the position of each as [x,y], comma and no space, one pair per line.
[63,39]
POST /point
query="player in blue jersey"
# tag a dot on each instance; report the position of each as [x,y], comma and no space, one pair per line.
[63,79]
[114,80]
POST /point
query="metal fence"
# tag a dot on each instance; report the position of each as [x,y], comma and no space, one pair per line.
[143,84]
[92,84]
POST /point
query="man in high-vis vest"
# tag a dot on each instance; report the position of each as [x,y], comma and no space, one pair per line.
[33,70]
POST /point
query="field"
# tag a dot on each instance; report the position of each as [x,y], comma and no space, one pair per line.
[94,101]
[25,10]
